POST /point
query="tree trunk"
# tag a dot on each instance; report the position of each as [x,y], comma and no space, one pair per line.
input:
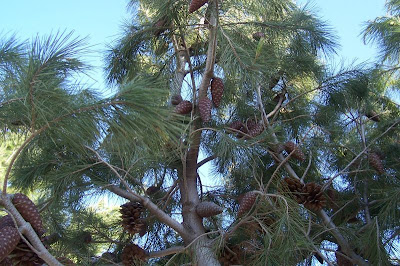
[204,254]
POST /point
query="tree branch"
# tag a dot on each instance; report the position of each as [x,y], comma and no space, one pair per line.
[166,252]
[206,160]
[26,229]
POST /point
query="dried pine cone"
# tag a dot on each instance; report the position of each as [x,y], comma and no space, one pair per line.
[208,209]
[131,220]
[6,221]
[132,253]
[184,107]
[298,154]
[9,238]
[176,99]
[205,106]
[375,161]
[296,187]
[315,199]
[196,4]
[29,212]
[247,202]
[372,115]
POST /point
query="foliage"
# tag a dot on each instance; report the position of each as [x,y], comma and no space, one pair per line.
[79,147]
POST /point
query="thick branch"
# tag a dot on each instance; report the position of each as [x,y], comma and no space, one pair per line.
[166,252]
[206,160]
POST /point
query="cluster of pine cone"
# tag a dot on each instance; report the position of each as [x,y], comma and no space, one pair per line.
[310,194]
[247,130]
[205,104]
[13,250]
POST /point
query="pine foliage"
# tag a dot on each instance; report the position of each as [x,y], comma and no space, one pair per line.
[78,147]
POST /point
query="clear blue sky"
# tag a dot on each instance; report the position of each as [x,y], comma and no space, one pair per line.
[101,20]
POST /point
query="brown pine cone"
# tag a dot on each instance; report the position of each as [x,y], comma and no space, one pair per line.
[29,212]
[196,4]
[176,99]
[159,26]
[315,199]
[6,221]
[184,107]
[298,154]
[217,89]
[296,187]
[256,130]
[205,106]
[246,202]
[376,163]
[131,220]
[132,253]
[9,238]
[372,115]
[208,209]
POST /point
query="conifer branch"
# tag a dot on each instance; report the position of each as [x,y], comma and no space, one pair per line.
[166,252]
[327,220]
[206,160]
[131,195]
[28,231]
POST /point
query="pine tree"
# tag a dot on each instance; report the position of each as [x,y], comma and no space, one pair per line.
[141,148]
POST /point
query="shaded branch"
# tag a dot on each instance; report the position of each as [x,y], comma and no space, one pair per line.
[166,252]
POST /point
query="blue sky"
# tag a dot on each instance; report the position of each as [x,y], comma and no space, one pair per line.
[101,20]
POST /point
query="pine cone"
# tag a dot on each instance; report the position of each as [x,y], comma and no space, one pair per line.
[184,107]
[6,221]
[298,154]
[9,238]
[159,26]
[131,220]
[22,255]
[217,89]
[372,115]
[256,130]
[258,35]
[152,190]
[205,106]
[86,237]
[132,253]
[176,99]
[315,199]
[29,212]
[236,125]
[208,209]
[376,163]
[246,202]
[296,187]
[196,4]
